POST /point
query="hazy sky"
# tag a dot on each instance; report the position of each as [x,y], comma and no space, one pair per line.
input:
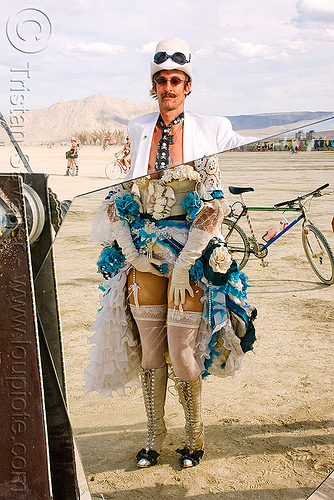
[248,56]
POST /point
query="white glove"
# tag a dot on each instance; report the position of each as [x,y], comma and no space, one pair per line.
[196,243]
[178,286]
[144,264]
[140,262]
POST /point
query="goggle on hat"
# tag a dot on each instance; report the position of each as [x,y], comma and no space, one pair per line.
[172,54]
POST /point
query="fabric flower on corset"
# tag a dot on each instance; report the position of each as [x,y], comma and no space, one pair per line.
[180,173]
[160,200]
[192,205]
[220,260]
[126,205]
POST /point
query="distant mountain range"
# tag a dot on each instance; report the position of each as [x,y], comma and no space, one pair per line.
[265,120]
[57,123]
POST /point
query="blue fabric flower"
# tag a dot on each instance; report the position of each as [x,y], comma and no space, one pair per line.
[110,261]
[192,205]
[196,271]
[137,222]
[126,205]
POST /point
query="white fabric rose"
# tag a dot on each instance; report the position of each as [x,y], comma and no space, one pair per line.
[220,260]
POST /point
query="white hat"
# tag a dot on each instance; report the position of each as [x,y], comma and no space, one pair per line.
[171,47]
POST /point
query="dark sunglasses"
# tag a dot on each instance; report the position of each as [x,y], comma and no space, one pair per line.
[177,57]
[175,80]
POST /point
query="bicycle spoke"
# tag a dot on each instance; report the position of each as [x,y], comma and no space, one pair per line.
[318,253]
[237,242]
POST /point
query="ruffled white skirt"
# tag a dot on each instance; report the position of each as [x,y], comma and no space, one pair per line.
[116,355]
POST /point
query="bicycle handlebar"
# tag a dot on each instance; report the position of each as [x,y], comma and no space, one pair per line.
[292,202]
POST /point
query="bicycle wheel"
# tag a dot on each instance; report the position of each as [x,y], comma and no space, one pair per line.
[318,253]
[237,242]
[72,169]
[112,170]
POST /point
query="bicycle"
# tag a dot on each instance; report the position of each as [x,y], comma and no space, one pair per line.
[116,168]
[241,246]
[72,169]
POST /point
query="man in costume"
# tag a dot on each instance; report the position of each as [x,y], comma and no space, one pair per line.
[164,252]
[184,136]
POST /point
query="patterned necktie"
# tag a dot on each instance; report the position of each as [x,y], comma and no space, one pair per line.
[162,160]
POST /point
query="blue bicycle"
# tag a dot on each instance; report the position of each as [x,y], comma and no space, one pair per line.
[240,245]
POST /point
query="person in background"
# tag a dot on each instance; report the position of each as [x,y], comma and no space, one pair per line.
[125,152]
[72,155]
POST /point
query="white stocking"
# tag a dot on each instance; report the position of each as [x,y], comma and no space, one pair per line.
[151,323]
[182,328]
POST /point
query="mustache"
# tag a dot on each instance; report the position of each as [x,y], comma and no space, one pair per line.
[168,94]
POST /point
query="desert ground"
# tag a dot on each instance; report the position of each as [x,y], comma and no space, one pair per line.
[268,429]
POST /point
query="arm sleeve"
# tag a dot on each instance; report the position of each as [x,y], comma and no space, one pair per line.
[213,207]
[227,138]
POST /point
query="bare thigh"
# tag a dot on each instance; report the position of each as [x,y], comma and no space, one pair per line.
[152,288]
[192,303]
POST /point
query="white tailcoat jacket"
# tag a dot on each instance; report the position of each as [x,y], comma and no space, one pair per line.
[202,136]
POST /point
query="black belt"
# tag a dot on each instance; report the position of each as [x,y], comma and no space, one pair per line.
[181,217]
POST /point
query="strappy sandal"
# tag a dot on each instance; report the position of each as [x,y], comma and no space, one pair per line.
[190,458]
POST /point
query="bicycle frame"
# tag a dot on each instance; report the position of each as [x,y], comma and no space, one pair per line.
[119,162]
[121,165]
[273,209]
[245,212]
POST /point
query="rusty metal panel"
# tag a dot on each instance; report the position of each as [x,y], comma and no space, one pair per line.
[59,431]
[24,471]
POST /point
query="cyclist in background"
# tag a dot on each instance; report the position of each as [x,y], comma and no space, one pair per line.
[125,151]
[72,155]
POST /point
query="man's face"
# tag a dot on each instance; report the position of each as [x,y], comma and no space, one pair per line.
[171,97]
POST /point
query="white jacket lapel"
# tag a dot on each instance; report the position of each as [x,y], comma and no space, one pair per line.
[144,147]
[189,142]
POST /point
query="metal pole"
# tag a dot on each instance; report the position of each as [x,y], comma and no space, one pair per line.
[15,143]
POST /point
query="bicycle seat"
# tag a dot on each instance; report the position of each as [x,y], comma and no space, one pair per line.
[239,190]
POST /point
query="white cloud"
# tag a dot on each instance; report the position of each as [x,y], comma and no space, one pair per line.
[148,48]
[314,11]
[96,48]
[248,50]
[204,52]
[294,45]
[261,48]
